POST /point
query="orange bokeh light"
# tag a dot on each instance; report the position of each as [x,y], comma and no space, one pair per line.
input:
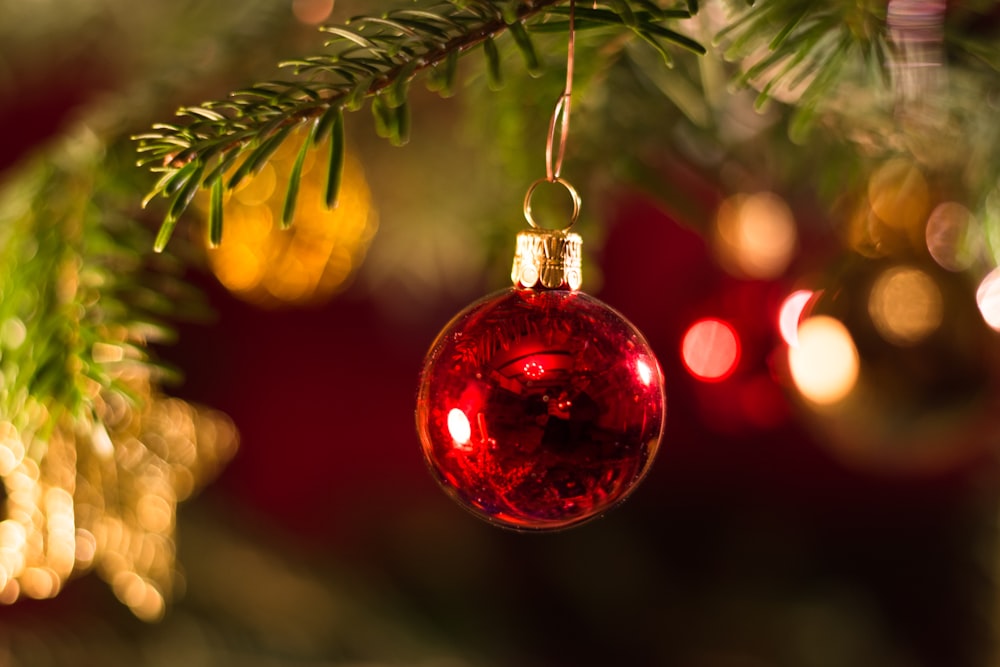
[825,363]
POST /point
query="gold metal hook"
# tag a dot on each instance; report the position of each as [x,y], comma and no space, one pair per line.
[574,195]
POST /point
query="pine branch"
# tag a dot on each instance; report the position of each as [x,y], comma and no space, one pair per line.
[68,268]
[805,45]
[371,58]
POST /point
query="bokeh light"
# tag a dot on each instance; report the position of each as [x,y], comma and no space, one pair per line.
[988,299]
[312,260]
[710,350]
[102,493]
[755,235]
[825,364]
[790,314]
[312,12]
[898,195]
[953,237]
[905,305]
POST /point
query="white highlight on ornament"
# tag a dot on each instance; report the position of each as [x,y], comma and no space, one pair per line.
[645,372]
[988,298]
[905,305]
[459,428]
[790,314]
[533,370]
[825,364]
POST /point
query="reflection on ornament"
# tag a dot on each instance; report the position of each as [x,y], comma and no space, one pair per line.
[644,371]
[540,409]
[755,235]
[458,428]
[539,406]
[710,350]
[312,260]
[100,492]
[824,364]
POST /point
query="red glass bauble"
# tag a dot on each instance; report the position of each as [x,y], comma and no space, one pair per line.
[540,409]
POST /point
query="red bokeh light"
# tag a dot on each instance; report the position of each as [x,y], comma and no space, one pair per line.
[710,350]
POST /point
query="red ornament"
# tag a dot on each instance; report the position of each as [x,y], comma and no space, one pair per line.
[540,408]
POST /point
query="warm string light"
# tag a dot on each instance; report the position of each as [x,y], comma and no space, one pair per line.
[905,305]
[755,235]
[824,364]
[316,256]
[101,493]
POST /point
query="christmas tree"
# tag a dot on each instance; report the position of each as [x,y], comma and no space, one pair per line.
[229,233]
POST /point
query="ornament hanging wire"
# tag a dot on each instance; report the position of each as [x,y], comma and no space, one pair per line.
[559,123]
[561,114]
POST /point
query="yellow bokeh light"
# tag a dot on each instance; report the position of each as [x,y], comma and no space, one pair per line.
[11,592]
[155,512]
[825,364]
[898,195]
[905,305]
[101,493]
[86,547]
[257,190]
[755,235]
[39,583]
[11,449]
[313,259]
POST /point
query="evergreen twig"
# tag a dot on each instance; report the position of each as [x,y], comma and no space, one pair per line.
[794,42]
[68,269]
[371,58]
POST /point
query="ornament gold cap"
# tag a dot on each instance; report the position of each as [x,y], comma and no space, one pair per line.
[548,258]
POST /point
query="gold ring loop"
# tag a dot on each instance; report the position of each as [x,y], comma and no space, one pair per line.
[574,195]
